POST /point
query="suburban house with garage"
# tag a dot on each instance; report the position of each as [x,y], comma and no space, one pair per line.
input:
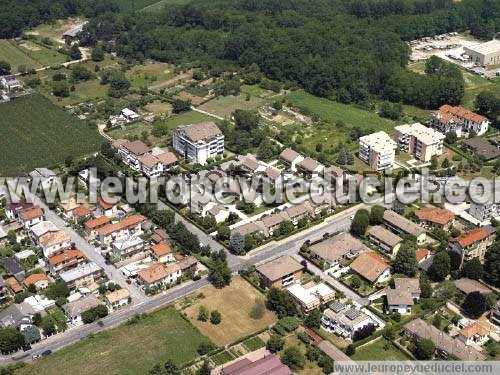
[331,251]
[75,309]
[39,280]
[158,275]
[280,272]
[31,217]
[372,267]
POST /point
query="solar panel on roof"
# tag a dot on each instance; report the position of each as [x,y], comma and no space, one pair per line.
[336,306]
[352,314]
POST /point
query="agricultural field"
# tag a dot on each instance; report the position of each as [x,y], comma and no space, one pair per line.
[224,106]
[235,303]
[255,90]
[35,133]
[128,349]
[379,350]
[15,56]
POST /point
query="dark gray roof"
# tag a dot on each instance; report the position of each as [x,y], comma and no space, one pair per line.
[12,266]
[336,306]
[352,313]
[482,147]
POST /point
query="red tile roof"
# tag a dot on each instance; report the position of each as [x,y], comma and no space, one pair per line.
[460,112]
[31,213]
[81,211]
[97,222]
[65,256]
[435,215]
[107,205]
[128,222]
[422,254]
[33,279]
[161,249]
[468,238]
[370,265]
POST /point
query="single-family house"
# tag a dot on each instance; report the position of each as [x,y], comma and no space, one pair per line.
[31,217]
[401,298]
[372,267]
[251,228]
[162,252]
[402,226]
[435,217]
[188,265]
[92,225]
[126,227]
[10,82]
[54,242]
[475,333]
[4,292]
[75,309]
[129,114]
[280,272]
[309,298]
[331,251]
[43,177]
[81,276]
[37,231]
[267,365]
[116,299]
[159,274]
[300,211]
[14,209]
[160,235]
[107,207]
[273,221]
[17,315]
[384,239]
[473,244]
[13,284]
[466,286]
[39,280]
[65,260]
[127,246]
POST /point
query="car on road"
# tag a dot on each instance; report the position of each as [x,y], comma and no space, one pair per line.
[46,353]
[100,323]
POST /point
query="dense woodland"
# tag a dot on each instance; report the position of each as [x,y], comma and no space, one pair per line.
[343,49]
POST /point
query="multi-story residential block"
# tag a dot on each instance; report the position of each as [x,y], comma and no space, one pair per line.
[280,272]
[344,320]
[484,211]
[419,141]
[473,244]
[199,142]
[458,119]
[155,166]
[377,150]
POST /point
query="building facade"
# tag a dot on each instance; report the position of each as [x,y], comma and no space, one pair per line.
[377,150]
[199,142]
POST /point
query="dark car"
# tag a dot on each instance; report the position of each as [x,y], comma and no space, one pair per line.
[100,323]
[26,347]
[46,353]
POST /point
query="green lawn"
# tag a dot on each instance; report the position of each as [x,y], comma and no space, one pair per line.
[375,351]
[157,5]
[46,56]
[255,90]
[15,56]
[333,111]
[36,133]
[474,84]
[224,106]
[127,349]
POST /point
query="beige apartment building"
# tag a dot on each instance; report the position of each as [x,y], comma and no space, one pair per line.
[377,150]
[419,141]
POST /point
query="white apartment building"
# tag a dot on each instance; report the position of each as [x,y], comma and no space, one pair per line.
[377,150]
[199,142]
[419,141]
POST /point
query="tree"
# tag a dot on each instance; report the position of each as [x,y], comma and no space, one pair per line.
[355,281]
[80,73]
[75,53]
[425,286]
[350,350]
[5,68]
[219,271]
[180,106]
[168,368]
[60,89]
[118,84]
[434,162]
[475,304]
[281,302]
[473,269]
[313,320]
[10,340]
[56,290]
[258,309]
[237,244]
[451,137]
[376,214]
[492,264]
[275,344]
[202,313]
[360,222]
[266,149]
[97,53]
[215,317]
[31,334]
[205,347]
[204,369]
[406,261]
[326,364]
[424,349]
[286,227]
[440,267]
[223,232]
[293,358]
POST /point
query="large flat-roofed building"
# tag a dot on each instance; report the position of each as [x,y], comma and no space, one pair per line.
[483,54]
[419,141]
[199,142]
[377,150]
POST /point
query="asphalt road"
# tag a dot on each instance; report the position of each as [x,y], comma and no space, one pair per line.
[290,245]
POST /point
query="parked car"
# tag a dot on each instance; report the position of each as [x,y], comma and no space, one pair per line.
[46,353]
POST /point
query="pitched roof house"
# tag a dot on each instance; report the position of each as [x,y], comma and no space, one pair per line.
[372,267]
[435,217]
[280,272]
